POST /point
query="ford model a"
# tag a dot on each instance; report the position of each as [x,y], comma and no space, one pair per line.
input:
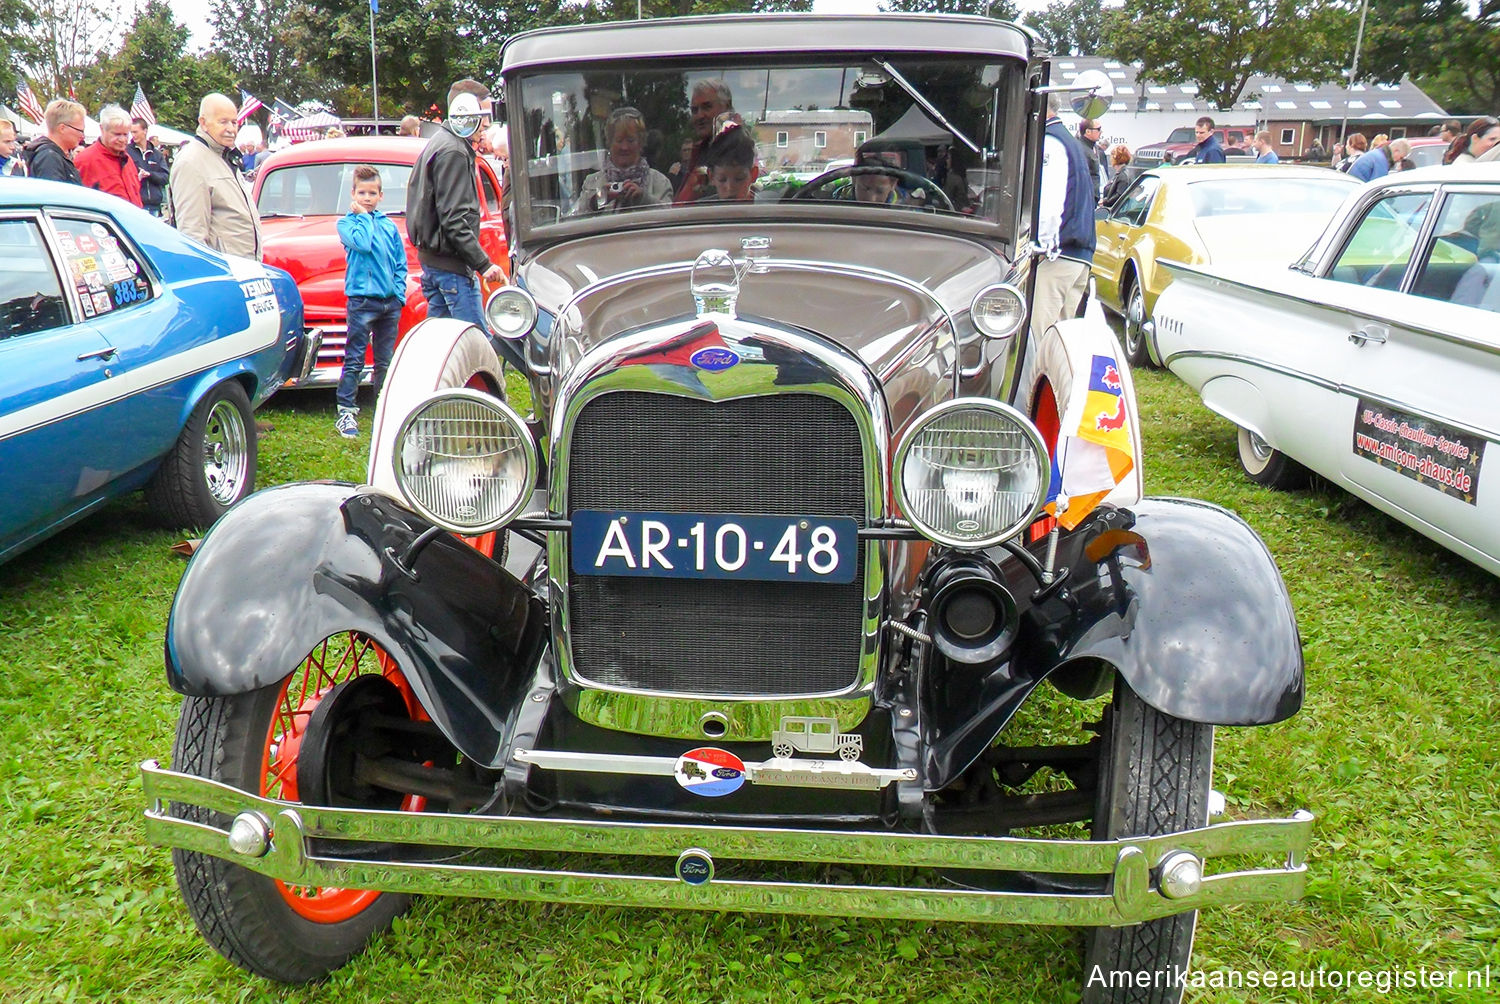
[764,579]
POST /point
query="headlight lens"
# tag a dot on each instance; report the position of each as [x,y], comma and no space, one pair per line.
[971,473]
[510,312]
[998,311]
[466,461]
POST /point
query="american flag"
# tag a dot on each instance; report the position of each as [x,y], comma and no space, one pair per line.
[141,108]
[249,105]
[29,103]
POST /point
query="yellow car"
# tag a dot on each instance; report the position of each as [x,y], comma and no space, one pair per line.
[1208,214]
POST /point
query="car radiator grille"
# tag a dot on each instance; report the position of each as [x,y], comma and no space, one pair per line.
[793,454]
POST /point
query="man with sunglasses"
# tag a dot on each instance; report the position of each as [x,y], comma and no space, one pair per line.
[50,155]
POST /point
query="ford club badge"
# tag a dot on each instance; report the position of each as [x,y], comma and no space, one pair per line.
[710,772]
[714,359]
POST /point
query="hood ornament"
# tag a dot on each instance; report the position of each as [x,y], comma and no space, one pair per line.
[715,282]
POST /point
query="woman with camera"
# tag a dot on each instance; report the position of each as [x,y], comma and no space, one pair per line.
[627,180]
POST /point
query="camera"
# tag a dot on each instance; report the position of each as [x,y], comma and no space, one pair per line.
[616,187]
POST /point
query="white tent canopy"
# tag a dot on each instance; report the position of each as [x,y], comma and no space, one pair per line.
[168,136]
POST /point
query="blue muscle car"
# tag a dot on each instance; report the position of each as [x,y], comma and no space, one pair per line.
[130,357]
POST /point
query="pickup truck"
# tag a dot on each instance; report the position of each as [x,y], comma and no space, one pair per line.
[1178,146]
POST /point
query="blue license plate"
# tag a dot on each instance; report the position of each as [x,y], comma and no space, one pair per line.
[720,546]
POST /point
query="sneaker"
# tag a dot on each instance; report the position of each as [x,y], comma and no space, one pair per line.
[347,425]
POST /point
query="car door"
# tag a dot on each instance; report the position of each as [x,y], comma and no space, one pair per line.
[491,221]
[56,452]
[1117,234]
[1422,380]
[147,337]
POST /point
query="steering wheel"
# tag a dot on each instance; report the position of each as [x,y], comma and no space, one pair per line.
[934,196]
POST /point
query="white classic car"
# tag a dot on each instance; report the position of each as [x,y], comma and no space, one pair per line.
[1374,360]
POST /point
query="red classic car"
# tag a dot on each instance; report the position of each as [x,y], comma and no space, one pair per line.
[302,191]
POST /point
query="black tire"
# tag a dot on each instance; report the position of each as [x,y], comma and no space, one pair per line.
[1154,776]
[245,916]
[1134,325]
[212,464]
[1267,466]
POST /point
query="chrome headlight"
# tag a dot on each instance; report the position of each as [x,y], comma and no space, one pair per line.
[510,312]
[998,311]
[466,461]
[971,473]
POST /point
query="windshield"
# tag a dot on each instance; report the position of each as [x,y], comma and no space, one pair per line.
[647,139]
[1183,135]
[323,189]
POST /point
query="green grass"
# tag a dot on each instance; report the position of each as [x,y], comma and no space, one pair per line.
[1395,751]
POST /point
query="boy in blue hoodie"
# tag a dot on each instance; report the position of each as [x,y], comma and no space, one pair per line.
[375,286]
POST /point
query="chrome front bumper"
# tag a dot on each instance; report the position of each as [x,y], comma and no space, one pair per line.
[271,838]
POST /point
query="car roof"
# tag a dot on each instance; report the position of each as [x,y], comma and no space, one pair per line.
[1222,172]
[381,149]
[31,192]
[731,35]
[1444,173]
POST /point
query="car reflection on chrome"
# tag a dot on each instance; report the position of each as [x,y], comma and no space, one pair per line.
[767,568]
[1372,362]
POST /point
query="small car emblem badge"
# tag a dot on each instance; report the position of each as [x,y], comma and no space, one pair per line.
[695,866]
[710,772]
[714,359]
[966,525]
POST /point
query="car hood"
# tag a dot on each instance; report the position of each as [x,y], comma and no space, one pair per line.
[1278,238]
[309,246]
[865,298]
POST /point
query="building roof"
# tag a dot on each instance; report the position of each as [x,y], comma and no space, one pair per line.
[1264,98]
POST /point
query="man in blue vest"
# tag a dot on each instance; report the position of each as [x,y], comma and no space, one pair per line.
[1065,229]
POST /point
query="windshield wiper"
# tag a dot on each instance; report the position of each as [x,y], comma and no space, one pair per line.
[281,216]
[927,106]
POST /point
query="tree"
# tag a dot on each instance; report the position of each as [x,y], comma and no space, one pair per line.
[1004,10]
[64,36]
[154,55]
[1463,73]
[1220,44]
[1070,27]
[1405,36]
[262,40]
[17,46]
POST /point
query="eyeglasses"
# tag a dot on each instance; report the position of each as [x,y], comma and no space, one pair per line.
[72,126]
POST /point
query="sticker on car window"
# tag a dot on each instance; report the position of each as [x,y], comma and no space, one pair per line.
[104,271]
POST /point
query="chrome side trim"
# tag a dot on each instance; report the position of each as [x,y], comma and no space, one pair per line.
[1337,388]
[1202,271]
[835,374]
[1126,863]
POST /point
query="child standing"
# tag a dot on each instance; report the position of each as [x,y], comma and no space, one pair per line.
[375,286]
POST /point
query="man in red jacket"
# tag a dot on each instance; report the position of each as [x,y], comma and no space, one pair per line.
[105,165]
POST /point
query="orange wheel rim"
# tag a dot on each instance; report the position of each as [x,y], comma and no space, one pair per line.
[333,661]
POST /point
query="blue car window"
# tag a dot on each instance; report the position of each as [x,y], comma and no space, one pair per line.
[31,297]
[103,268]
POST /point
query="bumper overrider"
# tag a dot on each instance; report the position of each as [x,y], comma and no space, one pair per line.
[1139,878]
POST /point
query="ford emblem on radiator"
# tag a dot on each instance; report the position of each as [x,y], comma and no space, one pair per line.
[714,359]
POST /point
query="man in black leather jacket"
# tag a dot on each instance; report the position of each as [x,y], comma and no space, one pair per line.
[152,165]
[442,210]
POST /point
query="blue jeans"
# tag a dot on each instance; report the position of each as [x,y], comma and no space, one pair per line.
[451,294]
[370,319]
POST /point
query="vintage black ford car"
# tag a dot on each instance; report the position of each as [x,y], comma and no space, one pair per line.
[761,580]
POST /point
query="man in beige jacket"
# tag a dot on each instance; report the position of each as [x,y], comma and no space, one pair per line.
[208,197]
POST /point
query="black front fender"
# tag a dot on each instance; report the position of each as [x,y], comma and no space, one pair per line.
[1187,604]
[291,566]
